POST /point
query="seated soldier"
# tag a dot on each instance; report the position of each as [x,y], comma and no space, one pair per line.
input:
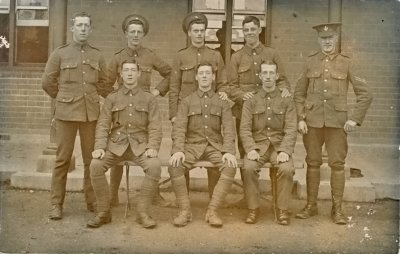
[128,129]
[268,132]
[197,136]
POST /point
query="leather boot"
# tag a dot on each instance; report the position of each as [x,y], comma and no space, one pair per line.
[146,221]
[213,219]
[182,197]
[100,219]
[252,216]
[56,212]
[312,181]
[115,180]
[146,195]
[337,188]
[220,192]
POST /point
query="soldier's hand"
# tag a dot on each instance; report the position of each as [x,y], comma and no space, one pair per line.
[177,158]
[282,157]
[248,95]
[253,155]
[155,92]
[302,127]
[285,92]
[173,119]
[223,96]
[151,153]
[98,154]
[350,125]
[230,159]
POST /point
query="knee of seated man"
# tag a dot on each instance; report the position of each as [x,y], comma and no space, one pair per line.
[286,169]
[250,166]
[96,168]
[176,171]
[153,167]
[228,171]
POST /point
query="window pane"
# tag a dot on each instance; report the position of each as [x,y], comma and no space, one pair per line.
[32,3]
[4,37]
[249,5]
[32,44]
[208,5]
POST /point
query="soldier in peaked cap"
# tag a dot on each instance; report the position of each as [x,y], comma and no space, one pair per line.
[321,102]
[135,27]
[183,82]
[75,76]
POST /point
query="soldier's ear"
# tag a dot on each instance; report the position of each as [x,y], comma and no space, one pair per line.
[213,76]
[277,75]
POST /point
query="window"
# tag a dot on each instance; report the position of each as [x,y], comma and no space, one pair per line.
[217,15]
[30,31]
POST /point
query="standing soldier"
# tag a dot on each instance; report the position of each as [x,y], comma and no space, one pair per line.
[268,129]
[74,76]
[321,102]
[197,135]
[183,81]
[244,69]
[135,28]
[128,129]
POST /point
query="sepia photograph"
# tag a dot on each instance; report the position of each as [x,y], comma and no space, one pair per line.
[199,126]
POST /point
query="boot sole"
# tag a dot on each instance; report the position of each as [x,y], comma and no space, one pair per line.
[98,225]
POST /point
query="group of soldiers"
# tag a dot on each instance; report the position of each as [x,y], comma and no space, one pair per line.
[201,89]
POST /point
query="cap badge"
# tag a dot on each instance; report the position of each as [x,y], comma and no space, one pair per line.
[326,28]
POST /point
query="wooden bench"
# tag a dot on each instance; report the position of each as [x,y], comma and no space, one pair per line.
[207,164]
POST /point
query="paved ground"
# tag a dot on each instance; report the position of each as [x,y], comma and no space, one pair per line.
[25,228]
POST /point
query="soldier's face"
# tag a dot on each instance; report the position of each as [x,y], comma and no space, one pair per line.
[205,77]
[130,73]
[251,33]
[81,29]
[197,33]
[328,44]
[268,76]
[134,33]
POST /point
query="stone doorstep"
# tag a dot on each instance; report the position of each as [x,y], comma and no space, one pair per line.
[357,189]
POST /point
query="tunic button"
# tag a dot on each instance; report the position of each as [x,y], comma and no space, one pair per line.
[268,107]
[326,70]
[192,113]
[255,63]
[269,118]
[325,91]
[268,98]
[206,116]
[326,60]
[206,126]
[130,114]
[129,125]
[257,75]
[84,93]
[83,51]
[205,96]
[83,72]
[119,133]
[254,53]
[84,83]
[206,137]
[325,80]
[130,104]
[130,94]
[83,61]
[268,128]
[206,106]
[324,100]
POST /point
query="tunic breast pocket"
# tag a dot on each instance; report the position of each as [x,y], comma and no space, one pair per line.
[259,117]
[188,74]
[278,117]
[69,72]
[117,114]
[92,72]
[312,81]
[244,73]
[142,115]
[339,82]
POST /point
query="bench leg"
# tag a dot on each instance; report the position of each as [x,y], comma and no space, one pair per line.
[274,182]
[128,204]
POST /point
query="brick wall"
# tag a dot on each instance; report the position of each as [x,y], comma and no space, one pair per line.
[370,32]
[24,107]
